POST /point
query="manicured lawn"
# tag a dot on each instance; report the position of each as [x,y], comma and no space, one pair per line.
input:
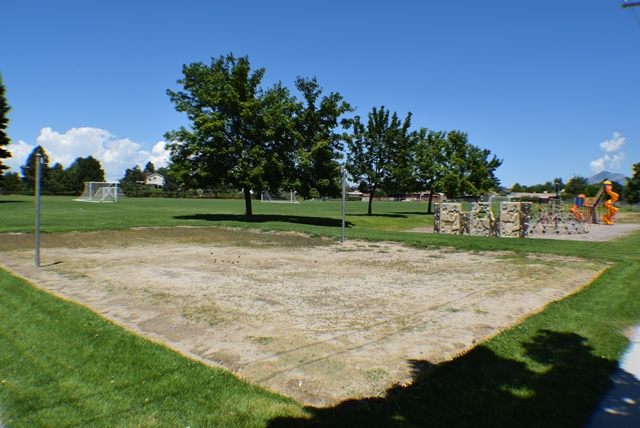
[63,214]
[62,365]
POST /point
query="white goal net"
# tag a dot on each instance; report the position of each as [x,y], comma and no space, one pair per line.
[280,197]
[100,192]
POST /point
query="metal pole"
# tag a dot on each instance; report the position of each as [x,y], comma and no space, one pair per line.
[38,162]
[344,198]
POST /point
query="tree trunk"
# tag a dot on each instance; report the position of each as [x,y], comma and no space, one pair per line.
[373,190]
[247,202]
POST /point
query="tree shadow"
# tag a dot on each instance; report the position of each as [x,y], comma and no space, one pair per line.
[481,388]
[257,219]
[390,215]
[9,202]
[399,214]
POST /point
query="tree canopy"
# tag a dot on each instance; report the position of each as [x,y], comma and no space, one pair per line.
[430,161]
[81,170]
[631,192]
[470,171]
[133,180]
[56,179]
[246,137]
[29,171]
[446,162]
[240,133]
[318,145]
[377,150]
[4,123]
[576,185]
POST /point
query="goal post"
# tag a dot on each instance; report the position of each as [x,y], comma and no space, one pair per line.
[108,191]
[281,197]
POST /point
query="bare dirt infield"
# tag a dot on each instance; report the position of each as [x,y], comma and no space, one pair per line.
[309,318]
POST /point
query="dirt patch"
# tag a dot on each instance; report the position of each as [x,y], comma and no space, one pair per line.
[320,322]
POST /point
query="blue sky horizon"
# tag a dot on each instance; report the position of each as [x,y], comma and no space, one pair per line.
[549,87]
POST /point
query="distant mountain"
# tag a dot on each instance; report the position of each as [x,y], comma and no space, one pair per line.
[619,178]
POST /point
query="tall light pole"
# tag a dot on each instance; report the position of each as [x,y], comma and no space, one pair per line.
[38,163]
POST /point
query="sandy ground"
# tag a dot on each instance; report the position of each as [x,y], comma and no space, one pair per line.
[320,323]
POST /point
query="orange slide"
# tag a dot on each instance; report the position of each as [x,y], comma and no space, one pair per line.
[608,218]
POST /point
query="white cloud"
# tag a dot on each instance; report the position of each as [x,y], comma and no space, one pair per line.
[597,165]
[115,155]
[615,144]
[617,160]
[159,154]
[613,156]
[19,154]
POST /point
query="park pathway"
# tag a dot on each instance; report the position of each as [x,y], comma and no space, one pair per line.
[620,407]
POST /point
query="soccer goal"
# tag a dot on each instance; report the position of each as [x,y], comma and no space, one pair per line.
[100,192]
[280,197]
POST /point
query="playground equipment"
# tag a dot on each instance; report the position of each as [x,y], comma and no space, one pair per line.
[589,210]
[512,221]
[556,217]
[608,218]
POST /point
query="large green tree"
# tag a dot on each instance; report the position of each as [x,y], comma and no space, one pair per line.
[59,183]
[376,150]
[133,181]
[12,183]
[4,123]
[466,170]
[170,183]
[240,133]
[576,185]
[318,145]
[430,161]
[83,170]
[631,192]
[29,171]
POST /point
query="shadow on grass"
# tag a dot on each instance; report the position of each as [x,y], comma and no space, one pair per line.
[402,214]
[482,388]
[391,215]
[312,221]
[9,202]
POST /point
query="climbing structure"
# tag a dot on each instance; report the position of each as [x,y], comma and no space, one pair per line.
[480,220]
[447,218]
[512,221]
[556,218]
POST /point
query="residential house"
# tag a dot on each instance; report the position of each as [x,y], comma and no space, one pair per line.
[154,180]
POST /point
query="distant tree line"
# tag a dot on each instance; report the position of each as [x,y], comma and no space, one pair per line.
[247,138]
[55,180]
[61,181]
[578,185]
[253,139]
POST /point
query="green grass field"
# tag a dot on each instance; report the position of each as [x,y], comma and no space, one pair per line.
[62,214]
[62,365]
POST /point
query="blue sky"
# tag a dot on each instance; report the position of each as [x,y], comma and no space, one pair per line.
[551,87]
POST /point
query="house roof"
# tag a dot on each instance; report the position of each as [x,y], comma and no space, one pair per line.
[149,175]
